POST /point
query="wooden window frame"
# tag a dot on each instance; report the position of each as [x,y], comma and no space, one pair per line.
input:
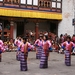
[38,7]
[12,2]
[21,3]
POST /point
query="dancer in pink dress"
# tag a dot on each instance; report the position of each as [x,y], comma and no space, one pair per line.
[18,43]
[38,45]
[1,49]
[68,45]
[45,53]
[25,46]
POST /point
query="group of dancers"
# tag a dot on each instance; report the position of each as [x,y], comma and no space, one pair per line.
[42,46]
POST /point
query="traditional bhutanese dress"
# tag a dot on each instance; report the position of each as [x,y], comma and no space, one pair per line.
[68,47]
[24,55]
[18,43]
[45,54]
[38,44]
[1,49]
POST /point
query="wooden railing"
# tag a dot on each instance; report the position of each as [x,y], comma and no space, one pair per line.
[45,3]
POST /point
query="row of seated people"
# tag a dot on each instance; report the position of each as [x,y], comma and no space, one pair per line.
[9,45]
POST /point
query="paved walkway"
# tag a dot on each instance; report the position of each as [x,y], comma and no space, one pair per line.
[10,66]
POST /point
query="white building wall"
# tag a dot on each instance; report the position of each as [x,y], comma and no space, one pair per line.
[65,26]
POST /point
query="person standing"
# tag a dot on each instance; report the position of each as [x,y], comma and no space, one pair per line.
[18,42]
[1,49]
[25,47]
[38,44]
[45,53]
[68,45]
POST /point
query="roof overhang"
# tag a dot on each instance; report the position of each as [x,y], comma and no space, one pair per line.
[12,12]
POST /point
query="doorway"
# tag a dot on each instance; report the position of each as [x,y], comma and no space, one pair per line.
[54,28]
[20,29]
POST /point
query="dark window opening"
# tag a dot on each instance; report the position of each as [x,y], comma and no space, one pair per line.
[53,28]
[45,4]
[48,4]
[40,3]
[20,29]
[7,25]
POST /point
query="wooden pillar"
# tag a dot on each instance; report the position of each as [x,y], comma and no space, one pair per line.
[36,31]
[11,29]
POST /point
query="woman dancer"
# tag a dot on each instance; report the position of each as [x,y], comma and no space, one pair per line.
[38,44]
[45,53]
[1,49]
[24,54]
[68,45]
[18,42]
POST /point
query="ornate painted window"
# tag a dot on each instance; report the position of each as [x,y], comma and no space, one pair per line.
[45,3]
[42,4]
[49,4]
[7,1]
[15,1]
[11,1]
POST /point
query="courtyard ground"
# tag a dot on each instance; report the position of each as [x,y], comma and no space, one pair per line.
[10,66]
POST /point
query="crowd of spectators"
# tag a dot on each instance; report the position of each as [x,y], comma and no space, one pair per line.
[55,40]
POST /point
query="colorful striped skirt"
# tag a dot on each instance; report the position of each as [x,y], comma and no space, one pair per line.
[38,54]
[44,60]
[23,62]
[67,58]
[18,53]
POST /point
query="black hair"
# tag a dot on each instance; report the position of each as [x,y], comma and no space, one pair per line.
[40,36]
[46,37]
[61,35]
[25,39]
[73,34]
[69,37]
